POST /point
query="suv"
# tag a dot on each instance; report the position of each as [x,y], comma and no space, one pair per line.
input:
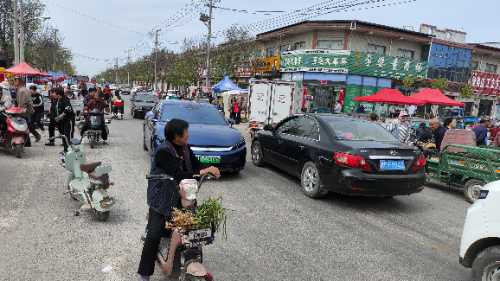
[480,245]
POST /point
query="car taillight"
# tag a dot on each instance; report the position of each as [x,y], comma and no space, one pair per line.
[419,164]
[351,161]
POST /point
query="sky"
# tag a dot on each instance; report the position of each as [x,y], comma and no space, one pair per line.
[98,31]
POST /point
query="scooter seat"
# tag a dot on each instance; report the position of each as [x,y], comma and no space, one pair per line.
[89,167]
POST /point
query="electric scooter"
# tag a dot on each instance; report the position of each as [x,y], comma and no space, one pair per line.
[87,183]
[96,121]
[189,256]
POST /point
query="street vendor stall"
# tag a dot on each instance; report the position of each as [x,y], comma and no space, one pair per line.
[23,69]
[389,96]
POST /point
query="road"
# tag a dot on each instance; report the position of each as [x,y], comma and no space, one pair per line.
[274,231]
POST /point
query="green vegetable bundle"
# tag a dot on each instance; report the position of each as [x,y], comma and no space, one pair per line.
[211,213]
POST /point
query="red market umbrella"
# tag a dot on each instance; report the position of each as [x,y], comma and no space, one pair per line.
[23,69]
[389,96]
[435,97]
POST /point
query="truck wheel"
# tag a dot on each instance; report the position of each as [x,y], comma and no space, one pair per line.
[486,266]
[311,182]
[257,155]
[472,189]
[102,216]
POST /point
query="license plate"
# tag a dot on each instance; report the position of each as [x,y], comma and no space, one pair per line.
[392,165]
[208,159]
[200,234]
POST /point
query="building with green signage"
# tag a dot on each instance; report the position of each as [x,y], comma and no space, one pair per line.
[339,60]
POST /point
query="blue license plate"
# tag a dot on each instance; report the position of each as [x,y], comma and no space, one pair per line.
[392,165]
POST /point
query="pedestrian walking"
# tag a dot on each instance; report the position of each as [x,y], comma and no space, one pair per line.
[62,115]
[69,95]
[23,100]
[38,107]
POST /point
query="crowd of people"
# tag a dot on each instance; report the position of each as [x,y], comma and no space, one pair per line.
[61,114]
[486,131]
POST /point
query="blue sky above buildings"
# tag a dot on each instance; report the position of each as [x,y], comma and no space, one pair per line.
[99,30]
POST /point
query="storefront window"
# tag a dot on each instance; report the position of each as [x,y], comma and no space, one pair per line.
[270,52]
[377,49]
[491,68]
[485,107]
[299,45]
[330,44]
[404,53]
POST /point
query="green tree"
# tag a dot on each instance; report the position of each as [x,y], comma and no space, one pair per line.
[440,84]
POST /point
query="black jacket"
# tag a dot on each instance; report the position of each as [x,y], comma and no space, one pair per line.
[177,162]
[60,106]
[37,102]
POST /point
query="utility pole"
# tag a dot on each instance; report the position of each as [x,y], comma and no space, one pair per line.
[116,71]
[21,31]
[54,54]
[16,31]
[209,41]
[157,32]
[128,67]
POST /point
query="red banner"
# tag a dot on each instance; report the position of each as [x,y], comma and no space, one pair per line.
[485,83]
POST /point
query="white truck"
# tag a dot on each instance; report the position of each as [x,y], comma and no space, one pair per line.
[480,244]
[269,102]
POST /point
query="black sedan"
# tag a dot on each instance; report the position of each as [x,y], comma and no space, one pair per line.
[142,103]
[340,154]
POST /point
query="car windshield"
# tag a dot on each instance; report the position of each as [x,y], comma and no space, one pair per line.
[193,114]
[358,130]
[146,98]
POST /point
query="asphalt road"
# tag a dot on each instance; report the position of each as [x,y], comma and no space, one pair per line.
[275,232]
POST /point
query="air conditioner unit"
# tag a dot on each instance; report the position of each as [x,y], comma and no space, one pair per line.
[353,25]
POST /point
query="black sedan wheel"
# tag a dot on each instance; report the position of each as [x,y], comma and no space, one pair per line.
[310,181]
[257,156]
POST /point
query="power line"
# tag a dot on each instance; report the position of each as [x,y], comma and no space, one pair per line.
[244,11]
[109,24]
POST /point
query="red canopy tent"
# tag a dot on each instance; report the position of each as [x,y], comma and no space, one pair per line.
[23,69]
[389,96]
[435,97]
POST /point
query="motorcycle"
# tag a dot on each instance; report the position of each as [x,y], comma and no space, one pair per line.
[87,183]
[189,257]
[118,109]
[15,132]
[95,119]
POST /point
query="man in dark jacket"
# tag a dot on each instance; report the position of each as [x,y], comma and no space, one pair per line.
[481,132]
[37,99]
[95,103]
[62,112]
[176,159]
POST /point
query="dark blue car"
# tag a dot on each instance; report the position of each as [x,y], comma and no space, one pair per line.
[211,137]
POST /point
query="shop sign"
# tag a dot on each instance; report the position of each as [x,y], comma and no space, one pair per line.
[267,64]
[485,83]
[359,63]
[315,61]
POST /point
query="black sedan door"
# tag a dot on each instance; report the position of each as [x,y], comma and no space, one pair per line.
[300,143]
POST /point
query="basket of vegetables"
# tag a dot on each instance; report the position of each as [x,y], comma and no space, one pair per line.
[210,214]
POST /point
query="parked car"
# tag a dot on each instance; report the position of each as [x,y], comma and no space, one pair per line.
[211,137]
[331,152]
[480,243]
[141,103]
[125,91]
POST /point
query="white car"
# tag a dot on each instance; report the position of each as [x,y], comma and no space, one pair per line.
[480,245]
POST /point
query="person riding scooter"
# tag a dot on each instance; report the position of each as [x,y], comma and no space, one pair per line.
[118,105]
[95,103]
[174,158]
